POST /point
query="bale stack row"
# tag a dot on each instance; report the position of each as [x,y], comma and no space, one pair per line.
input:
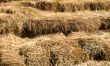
[52,51]
[34,27]
[69,6]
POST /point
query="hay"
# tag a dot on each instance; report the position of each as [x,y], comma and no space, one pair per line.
[53,52]
[35,27]
[34,55]
[44,19]
[94,63]
[30,27]
[43,5]
[54,6]
[10,58]
[30,22]
[70,6]
[107,51]
[96,6]
[54,49]
[26,4]
[106,47]
[93,47]
[7,10]
[7,25]
[4,1]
